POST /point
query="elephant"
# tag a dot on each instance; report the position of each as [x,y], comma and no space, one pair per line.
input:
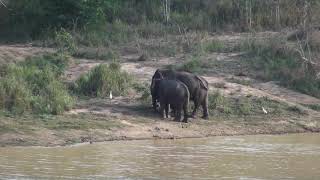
[172,93]
[198,88]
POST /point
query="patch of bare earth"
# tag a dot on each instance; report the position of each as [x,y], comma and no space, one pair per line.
[16,53]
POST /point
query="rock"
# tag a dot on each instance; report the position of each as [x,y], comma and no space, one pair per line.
[157,128]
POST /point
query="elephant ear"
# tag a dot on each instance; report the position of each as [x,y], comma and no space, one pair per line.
[204,83]
[158,74]
[156,77]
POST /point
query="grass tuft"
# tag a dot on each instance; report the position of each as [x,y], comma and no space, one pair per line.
[35,86]
[103,79]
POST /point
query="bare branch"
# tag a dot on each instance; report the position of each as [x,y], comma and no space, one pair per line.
[3,3]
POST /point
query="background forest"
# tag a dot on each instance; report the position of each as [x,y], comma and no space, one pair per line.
[32,19]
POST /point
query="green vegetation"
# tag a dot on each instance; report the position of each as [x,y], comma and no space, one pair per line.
[144,90]
[35,86]
[278,61]
[241,81]
[214,46]
[315,107]
[103,79]
[220,105]
[101,22]
[193,65]
[27,123]
[96,53]
[65,42]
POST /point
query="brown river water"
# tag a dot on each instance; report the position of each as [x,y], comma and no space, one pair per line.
[295,156]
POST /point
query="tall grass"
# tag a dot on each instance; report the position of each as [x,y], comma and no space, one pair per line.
[34,86]
[280,62]
[103,79]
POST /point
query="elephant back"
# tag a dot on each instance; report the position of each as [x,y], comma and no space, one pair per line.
[193,82]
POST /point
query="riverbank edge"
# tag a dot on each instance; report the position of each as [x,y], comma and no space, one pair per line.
[160,130]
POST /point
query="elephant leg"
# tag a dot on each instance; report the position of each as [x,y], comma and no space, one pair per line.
[167,110]
[196,106]
[154,104]
[185,112]
[162,107]
[205,109]
[173,112]
[178,114]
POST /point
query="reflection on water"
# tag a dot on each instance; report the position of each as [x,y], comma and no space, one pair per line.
[245,157]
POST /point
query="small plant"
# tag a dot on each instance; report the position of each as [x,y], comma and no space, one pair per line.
[244,106]
[297,109]
[214,46]
[219,85]
[193,65]
[218,102]
[103,79]
[65,42]
[144,89]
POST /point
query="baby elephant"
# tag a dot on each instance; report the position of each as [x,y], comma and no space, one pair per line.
[176,94]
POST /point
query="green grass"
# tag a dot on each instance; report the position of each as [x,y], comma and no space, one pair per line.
[144,90]
[275,60]
[220,105]
[193,65]
[96,53]
[28,122]
[103,79]
[214,46]
[315,107]
[35,86]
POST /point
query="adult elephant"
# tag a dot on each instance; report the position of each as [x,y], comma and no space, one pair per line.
[198,88]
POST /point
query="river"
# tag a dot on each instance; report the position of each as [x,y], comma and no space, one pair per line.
[295,156]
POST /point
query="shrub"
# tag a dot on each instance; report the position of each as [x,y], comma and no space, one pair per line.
[245,106]
[193,65]
[144,89]
[65,42]
[57,62]
[31,88]
[218,102]
[103,79]
[14,95]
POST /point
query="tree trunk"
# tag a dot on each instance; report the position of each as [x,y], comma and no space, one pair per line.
[278,19]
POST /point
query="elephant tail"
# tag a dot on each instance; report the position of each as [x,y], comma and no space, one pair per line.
[204,83]
[187,93]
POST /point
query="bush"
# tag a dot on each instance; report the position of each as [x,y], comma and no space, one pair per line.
[245,106]
[31,88]
[144,89]
[57,62]
[14,95]
[103,79]
[65,42]
[218,102]
[193,65]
